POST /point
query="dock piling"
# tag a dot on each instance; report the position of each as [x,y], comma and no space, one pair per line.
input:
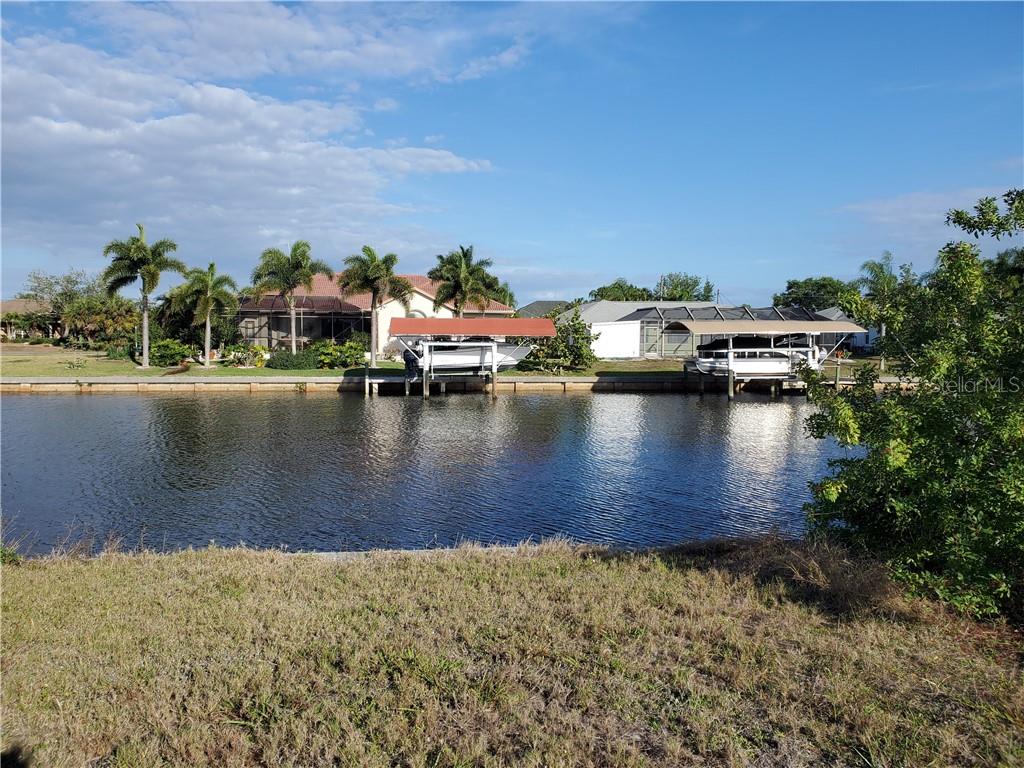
[732,384]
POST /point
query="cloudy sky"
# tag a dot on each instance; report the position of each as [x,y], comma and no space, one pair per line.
[571,144]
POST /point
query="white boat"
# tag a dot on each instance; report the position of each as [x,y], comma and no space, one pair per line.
[755,357]
[463,356]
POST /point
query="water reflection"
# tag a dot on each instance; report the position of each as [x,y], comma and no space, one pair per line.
[324,472]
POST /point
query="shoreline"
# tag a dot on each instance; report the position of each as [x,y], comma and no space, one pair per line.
[383,384]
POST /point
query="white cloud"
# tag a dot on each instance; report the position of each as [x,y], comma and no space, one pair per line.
[92,144]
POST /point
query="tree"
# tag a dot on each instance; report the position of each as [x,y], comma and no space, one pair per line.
[879,283]
[937,488]
[505,295]
[680,286]
[204,293]
[101,318]
[284,274]
[59,291]
[813,293]
[133,259]
[367,272]
[463,282]
[572,344]
[621,290]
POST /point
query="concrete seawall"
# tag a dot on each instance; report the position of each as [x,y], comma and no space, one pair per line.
[354,384]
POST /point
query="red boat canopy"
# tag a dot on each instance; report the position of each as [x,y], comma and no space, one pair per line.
[472,326]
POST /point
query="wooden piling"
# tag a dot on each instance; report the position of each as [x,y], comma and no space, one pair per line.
[732,384]
[366,381]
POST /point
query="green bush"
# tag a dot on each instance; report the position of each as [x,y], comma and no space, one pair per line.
[119,351]
[331,355]
[304,360]
[937,485]
[362,338]
[9,555]
[168,352]
[247,355]
[39,340]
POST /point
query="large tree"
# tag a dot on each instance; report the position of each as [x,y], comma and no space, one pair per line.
[203,294]
[813,293]
[680,286]
[284,273]
[463,282]
[621,290]
[937,485]
[134,259]
[366,272]
[58,292]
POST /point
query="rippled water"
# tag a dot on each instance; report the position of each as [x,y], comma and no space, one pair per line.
[329,472]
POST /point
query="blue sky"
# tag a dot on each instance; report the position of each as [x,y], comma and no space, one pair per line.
[570,143]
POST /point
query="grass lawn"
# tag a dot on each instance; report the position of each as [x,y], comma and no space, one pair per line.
[760,654]
[40,360]
[613,368]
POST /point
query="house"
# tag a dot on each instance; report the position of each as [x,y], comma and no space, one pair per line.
[541,308]
[632,329]
[324,313]
[856,342]
[11,310]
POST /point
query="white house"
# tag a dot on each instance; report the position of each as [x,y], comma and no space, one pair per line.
[631,329]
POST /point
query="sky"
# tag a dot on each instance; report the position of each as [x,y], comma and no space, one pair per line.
[569,143]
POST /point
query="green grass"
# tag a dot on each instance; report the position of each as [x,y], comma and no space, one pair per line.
[53,361]
[765,654]
[21,360]
[613,368]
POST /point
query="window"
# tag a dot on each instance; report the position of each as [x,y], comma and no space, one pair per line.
[249,329]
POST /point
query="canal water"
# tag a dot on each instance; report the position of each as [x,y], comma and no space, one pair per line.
[329,472]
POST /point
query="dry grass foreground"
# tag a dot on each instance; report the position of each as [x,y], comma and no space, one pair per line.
[761,654]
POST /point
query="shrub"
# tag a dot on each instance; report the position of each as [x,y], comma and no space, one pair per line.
[119,351]
[168,352]
[39,340]
[937,488]
[247,355]
[304,360]
[362,338]
[331,355]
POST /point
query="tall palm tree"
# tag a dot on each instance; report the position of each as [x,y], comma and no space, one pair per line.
[879,283]
[463,282]
[367,272]
[284,274]
[203,293]
[505,295]
[133,259]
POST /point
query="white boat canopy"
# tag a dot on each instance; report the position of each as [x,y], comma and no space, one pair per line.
[763,321]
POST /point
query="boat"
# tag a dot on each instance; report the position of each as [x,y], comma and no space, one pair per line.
[469,356]
[757,356]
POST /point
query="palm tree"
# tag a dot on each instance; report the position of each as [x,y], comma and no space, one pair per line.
[367,272]
[135,260]
[505,295]
[879,283]
[463,281]
[203,293]
[284,274]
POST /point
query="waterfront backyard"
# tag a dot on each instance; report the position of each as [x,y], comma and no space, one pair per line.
[743,654]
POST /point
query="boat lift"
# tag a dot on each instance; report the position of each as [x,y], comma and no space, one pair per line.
[765,323]
[425,337]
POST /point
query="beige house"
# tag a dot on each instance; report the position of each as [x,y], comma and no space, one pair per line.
[324,313]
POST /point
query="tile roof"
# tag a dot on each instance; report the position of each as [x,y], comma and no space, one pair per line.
[326,296]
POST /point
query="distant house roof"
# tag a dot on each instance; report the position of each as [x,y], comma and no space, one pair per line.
[326,296]
[472,326]
[606,311]
[748,320]
[540,308]
[21,306]
[834,313]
